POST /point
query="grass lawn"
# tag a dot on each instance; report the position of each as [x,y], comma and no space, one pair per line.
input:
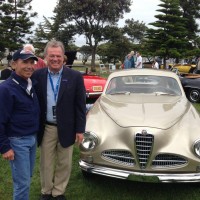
[102,188]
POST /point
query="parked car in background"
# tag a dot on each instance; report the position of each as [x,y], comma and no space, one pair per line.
[142,128]
[184,68]
[147,64]
[94,84]
[191,85]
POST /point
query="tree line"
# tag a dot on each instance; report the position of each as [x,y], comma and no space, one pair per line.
[174,34]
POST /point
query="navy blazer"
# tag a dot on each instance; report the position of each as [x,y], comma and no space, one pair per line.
[70,108]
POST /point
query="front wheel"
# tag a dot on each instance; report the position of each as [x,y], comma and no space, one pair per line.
[194,95]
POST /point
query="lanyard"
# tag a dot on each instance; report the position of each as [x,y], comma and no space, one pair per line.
[55,90]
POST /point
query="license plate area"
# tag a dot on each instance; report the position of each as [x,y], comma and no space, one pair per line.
[140,178]
[97,88]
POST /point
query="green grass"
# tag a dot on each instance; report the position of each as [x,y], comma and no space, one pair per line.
[197,106]
[102,188]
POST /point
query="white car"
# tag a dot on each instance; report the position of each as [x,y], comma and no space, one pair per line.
[142,128]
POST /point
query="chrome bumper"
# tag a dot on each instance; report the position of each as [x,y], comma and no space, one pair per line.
[139,176]
[93,94]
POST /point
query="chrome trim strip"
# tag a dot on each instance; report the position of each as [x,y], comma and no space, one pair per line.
[93,94]
[138,176]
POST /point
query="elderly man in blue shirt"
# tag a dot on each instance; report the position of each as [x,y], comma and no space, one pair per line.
[19,122]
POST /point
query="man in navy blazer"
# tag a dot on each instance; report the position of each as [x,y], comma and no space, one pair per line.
[62,97]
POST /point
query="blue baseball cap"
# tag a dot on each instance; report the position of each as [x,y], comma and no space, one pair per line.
[24,55]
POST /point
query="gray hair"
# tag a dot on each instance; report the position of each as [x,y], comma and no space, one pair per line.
[54,43]
[29,47]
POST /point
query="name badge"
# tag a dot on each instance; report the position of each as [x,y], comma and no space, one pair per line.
[54,112]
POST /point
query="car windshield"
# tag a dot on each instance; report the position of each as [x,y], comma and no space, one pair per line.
[146,84]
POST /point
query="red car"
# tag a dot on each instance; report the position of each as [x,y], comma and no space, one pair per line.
[94,84]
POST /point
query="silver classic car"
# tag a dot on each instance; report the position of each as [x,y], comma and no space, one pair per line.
[142,128]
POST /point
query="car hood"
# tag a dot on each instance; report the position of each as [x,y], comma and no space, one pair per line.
[144,111]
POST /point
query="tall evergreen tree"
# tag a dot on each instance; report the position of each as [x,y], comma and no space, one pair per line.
[191,11]
[168,38]
[15,23]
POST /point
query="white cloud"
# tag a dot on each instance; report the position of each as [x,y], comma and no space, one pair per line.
[141,10]
[43,8]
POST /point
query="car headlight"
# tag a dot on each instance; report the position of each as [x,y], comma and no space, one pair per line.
[90,140]
[197,148]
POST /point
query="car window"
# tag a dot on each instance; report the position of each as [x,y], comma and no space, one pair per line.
[144,84]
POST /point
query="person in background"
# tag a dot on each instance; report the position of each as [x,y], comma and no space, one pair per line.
[19,122]
[40,63]
[65,60]
[127,62]
[132,59]
[62,96]
[155,65]
[138,61]
[9,58]
[5,73]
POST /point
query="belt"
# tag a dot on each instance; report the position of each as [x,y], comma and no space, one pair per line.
[51,123]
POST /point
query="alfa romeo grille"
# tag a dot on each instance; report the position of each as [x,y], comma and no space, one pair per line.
[168,160]
[122,157]
[144,143]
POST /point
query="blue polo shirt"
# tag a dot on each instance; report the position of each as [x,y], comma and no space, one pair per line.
[19,111]
[53,85]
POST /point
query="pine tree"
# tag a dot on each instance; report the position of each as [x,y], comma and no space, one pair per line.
[191,11]
[168,38]
[15,23]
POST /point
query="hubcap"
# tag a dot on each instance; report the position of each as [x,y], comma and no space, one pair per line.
[194,95]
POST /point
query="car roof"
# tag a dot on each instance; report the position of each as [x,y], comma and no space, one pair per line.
[154,72]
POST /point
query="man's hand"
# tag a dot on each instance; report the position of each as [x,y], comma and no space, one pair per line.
[79,138]
[9,155]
